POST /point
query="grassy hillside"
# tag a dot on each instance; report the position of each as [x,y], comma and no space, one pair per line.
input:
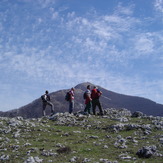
[64,138]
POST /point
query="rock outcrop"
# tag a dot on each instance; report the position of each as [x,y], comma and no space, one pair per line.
[112,138]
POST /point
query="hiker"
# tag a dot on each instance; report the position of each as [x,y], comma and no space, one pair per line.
[46,101]
[71,100]
[88,100]
[95,95]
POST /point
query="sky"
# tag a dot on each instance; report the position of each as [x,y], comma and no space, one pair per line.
[57,44]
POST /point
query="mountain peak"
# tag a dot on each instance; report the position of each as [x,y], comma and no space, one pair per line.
[108,99]
[84,85]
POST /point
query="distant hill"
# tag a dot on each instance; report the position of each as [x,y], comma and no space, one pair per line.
[108,99]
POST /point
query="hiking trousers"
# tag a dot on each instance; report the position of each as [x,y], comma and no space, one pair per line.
[71,106]
[44,107]
[88,107]
[96,102]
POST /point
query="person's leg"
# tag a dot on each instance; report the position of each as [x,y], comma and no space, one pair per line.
[70,106]
[52,106]
[85,110]
[100,107]
[43,108]
[94,106]
[89,107]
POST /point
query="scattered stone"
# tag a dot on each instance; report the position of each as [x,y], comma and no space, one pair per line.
[94,137]
[32,159]
[77,132]
[86,160]
[13,122]
[73,159]
[102,160]
[121,119]
[146,151]
[125,157]
[115,113]
[106,147]
[120,142]
[137,114]
[48,153]
[27,144]
[4,157]
[15,135]
[161,140]
[59,145]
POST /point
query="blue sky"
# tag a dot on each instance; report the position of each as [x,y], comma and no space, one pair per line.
[57,44]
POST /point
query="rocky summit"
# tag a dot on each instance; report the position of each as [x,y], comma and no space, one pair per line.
[118,136]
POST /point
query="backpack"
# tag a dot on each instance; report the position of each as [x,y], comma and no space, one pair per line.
[98,94]
[85,95]
[67,97]
[43,98]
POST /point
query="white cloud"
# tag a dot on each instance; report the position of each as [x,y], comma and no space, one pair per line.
[147,44]
[159,5]
[55,15]
[99,33]
[46,3]
[120,9]
[144,45]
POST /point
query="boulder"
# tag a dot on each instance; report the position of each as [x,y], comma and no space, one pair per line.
[146,152]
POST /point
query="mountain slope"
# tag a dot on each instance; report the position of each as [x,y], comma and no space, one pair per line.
[108,99]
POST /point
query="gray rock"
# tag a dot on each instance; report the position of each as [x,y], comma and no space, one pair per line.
[121,142]
[48,153]
[86,160]
[102,160]
[94,137]
[116,113]
[105,147]
[161,140]
[146,151]
[121,119]
[137,114]
[125,157]
[32,159]
[73,159]
[14,122]
[4,157]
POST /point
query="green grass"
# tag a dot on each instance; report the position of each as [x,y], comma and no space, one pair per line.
[77,141]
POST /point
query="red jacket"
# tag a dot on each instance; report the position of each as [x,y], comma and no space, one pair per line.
[95,94]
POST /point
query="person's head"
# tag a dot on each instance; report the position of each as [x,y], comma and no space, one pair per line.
[72,89]
[94,87]
[46,92]
[88,87]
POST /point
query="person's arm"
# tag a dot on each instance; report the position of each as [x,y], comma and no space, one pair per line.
[99,92]
[89,96]
[71,95]
[48,98]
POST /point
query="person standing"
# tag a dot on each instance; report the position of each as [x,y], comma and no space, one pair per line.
[88,100]
[95,95]
[46,101]
[71,100]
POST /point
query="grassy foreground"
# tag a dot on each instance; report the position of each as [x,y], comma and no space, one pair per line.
[88,139]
